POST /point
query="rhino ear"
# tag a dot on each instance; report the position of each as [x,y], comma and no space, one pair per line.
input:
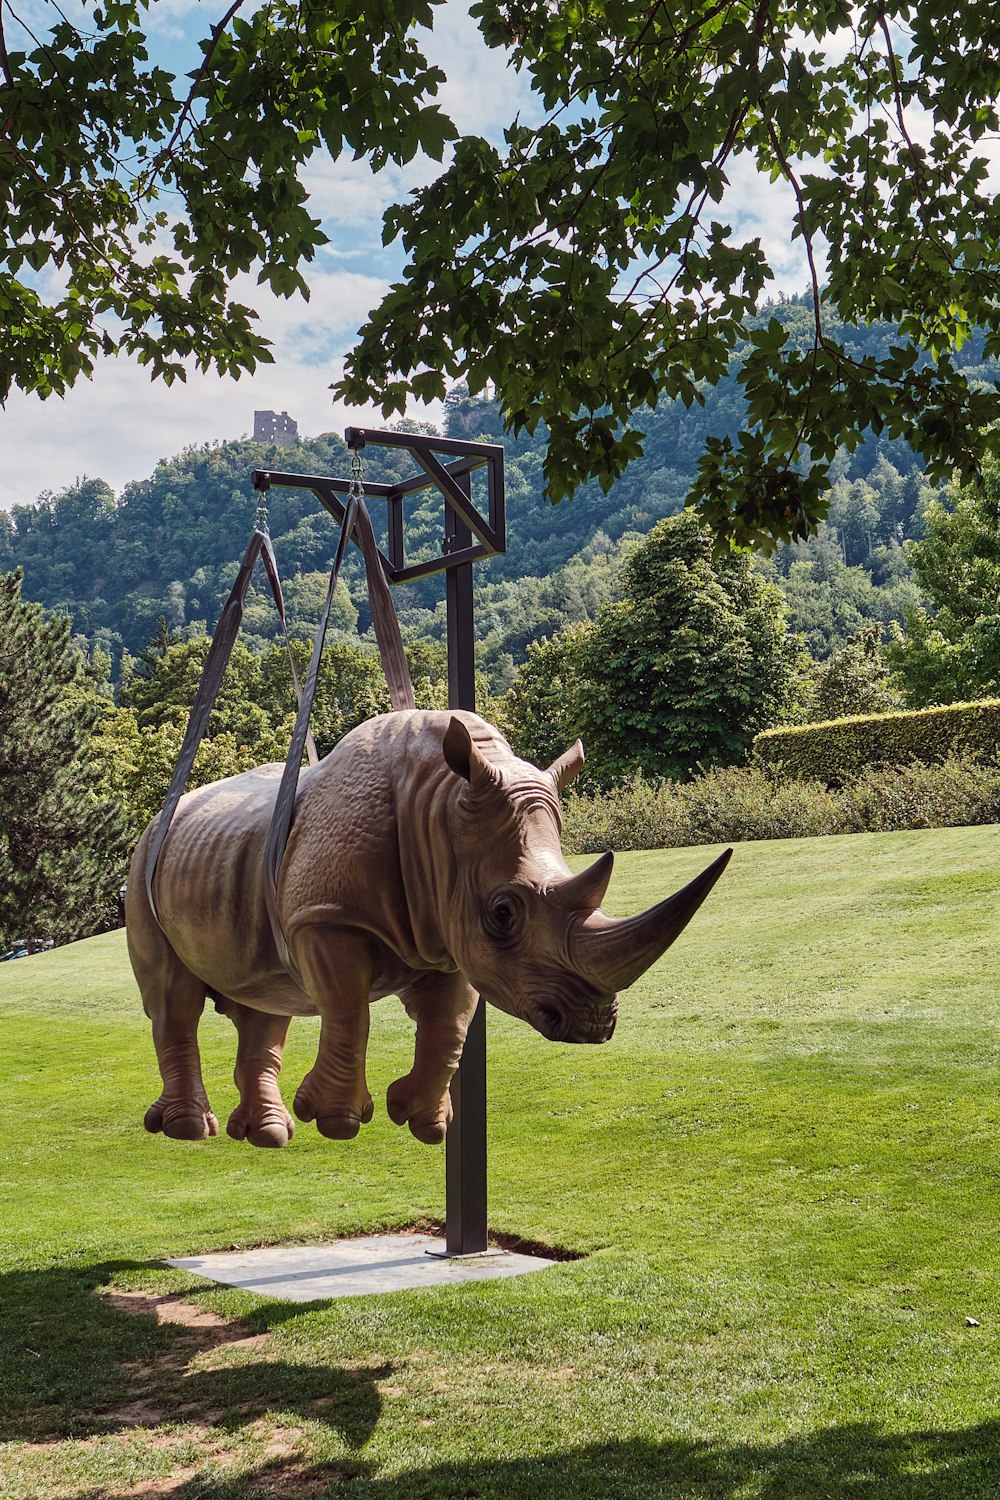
[568,766]
[465,757]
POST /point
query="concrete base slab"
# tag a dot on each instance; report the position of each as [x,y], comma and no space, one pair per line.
[353,1268]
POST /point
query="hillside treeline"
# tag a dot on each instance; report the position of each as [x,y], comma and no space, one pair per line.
[167,547]
[609,617]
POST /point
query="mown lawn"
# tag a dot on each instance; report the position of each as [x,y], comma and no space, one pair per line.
[782,1175]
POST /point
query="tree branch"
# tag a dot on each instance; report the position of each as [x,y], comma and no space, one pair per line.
[819,339]
[162,157]
[4,54]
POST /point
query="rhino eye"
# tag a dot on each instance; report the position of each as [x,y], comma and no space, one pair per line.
[502,916]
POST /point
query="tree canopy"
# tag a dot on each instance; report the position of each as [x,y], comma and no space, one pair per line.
[681,671]
[585,266]
[952,652]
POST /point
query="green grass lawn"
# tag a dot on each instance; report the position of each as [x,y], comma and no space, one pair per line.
[782,1175]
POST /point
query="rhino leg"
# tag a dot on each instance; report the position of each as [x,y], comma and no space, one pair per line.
[173,1000]
[442,1006]
[337,965]
[261,1117]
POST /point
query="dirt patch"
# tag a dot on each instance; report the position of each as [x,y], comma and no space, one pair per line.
[152,1489]
[169,1308]
[282,1441]
[137,1414]
[164,1416]
[290,1482]
[199,1342]
[199,1330]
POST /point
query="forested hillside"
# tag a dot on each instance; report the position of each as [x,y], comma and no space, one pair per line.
[167,547]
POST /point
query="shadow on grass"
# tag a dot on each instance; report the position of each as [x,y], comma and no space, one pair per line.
[76,1366]
[841,1463]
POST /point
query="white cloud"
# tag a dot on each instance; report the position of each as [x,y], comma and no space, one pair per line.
[338,305]
[350,198]
[118,425]
[760,209]
[483,92]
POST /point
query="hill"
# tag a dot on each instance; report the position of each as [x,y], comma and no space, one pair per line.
[167,546]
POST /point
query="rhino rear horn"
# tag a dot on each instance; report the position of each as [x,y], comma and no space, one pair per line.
[587,890]
[612,953]
[465,757]
[567,767]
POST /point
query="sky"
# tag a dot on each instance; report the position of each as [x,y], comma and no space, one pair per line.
[119,424]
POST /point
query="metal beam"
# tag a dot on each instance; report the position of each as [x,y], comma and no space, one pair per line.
[451,481]
[262,478]
[459,495]
[465,1162]
[356,437]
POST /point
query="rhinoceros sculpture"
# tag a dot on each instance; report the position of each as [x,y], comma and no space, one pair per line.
[423,861]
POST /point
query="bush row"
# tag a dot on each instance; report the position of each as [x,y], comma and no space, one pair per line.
[743,803]
[839,750]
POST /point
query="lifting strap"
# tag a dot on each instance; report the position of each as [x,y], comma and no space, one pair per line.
[212,672]
[357,521]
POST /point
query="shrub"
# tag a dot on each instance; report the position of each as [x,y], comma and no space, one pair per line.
[838,751]
[746,803]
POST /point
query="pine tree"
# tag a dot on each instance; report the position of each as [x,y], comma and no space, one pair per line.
[61,837]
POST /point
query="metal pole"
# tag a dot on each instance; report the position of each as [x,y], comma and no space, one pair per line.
[465,1161]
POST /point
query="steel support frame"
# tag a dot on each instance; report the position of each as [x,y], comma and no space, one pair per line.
[465,1144]
[469,535]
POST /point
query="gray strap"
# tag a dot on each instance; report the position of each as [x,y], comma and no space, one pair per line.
[281,817]
[271,569]
[212,674]
[208,688]
[384,619]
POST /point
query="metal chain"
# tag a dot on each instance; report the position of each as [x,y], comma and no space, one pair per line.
[357,476]
[260,520]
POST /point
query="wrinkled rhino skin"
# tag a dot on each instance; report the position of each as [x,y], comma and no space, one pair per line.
[424,861]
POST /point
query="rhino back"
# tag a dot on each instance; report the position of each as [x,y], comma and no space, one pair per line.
[208,885]
[372,843]
[358,811]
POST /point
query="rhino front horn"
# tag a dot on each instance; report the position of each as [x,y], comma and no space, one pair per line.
[611,954]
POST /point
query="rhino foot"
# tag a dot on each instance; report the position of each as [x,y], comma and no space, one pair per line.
[342,1126]
[269,1127]
[428,1118]
[181,1119]
[335,1124]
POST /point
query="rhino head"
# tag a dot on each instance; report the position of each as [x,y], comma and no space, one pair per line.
[528,933]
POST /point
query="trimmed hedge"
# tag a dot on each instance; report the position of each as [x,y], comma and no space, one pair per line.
[838,751]
[743,803]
